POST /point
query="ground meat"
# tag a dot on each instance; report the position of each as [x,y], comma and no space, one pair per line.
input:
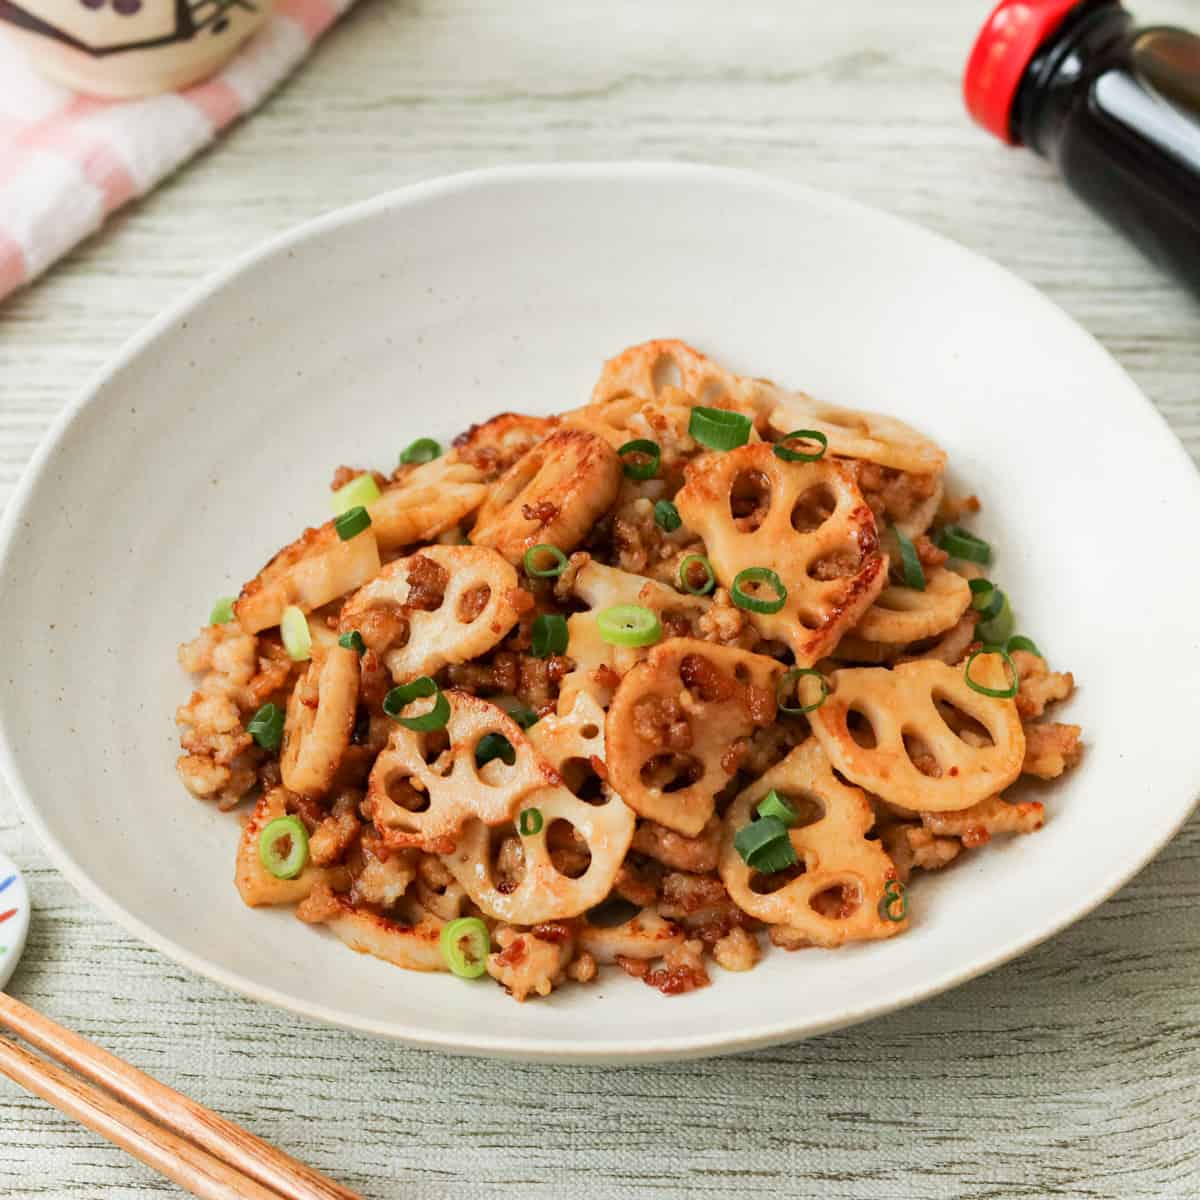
[510,864]
[528,965]
[892,495]
[344,475]
[385,875]
[693,854]
[582,968]
[639,968]
[427,582]
[607,677]
[662,723]
[682,970]
[533,681]
[1039,685]
[913,846]
[760,704]
[835,566]
[930,555]
[1051,749]
[635,885]
[836,903]
[554,931]
[684,893]
[731,758]
[337,832]
[383,626]
[738,950]
[922,758]
[704,680]
[544,511]
[954,508]
[319,906]
[726,624]
[221,759]
[770,745]
[472,603]
[564,585]
[981,821]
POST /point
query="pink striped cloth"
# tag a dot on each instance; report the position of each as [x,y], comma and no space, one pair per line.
[68,160]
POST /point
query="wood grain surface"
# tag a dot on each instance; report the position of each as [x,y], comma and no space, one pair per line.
[1070,1073]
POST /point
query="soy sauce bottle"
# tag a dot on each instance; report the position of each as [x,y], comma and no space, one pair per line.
[1116,108]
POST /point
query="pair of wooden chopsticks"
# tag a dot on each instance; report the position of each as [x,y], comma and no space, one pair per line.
[201,1151]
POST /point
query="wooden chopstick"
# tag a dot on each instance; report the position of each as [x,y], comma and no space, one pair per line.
[177,1159]
[245,1154]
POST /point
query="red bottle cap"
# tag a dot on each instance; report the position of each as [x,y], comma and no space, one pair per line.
[1006,44]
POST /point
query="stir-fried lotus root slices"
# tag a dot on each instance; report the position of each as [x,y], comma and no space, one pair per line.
[601,587]
[316,568]
[866,435]
[893,732]
[426,501]
[553,495]
[413,943]
[649,369]
[673,722]
[418,802]
[445,604]
[807,522]
[902,615]
[837,895]
[643,936]
[495,445]
[257,886]
[320,719]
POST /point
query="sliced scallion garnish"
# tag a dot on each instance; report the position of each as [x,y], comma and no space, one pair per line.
[996,628]
[629,625]
[894,894]
[912,575]
[962,543]
[996,693]
[465,944]
[666,516]
[760,575]
[685,575]
[494,745]
[283,847]
[1021,642]
[399,698]
[222,611]
[548,570]
[718,428]
[784,451]
[784,686]
[549,635]
[765,846]
[359,492]
[353,641]
[352,522]
[530,822]
[986,598]
[297,637]
[774,805]
[644,458]
[423,450]
[266,726]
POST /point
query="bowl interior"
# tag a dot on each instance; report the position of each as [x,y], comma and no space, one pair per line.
[211,441]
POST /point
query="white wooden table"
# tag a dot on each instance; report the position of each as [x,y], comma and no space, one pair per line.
[1071,1073]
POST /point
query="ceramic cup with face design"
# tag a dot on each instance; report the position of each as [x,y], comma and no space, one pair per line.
[130,47]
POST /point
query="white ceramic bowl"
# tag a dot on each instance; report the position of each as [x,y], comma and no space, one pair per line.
[209,443]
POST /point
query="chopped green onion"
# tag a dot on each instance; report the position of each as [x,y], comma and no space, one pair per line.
[525,717]
[558,562]
[283,847]
[685,569]
[629,625]
[465,945]
[783,688]
[266,726]
[666,516]
[222,611]
[353,641]
[996,693]
[1020,642]
[399,698]
[352,522]
[646,461]
[359,492]
[494,745]
[996,629]
[297,637]
[774,805]
[962,543]
[911,573]
[895,893]
[530,822]
[744,599]
[549,635]
[719,429]
[765,846]
[423,450]
[809,435]
[986,597]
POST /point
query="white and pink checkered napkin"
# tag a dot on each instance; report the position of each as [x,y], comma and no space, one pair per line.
[68,160]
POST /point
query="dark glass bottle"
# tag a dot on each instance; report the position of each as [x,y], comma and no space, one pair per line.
[1115,107]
